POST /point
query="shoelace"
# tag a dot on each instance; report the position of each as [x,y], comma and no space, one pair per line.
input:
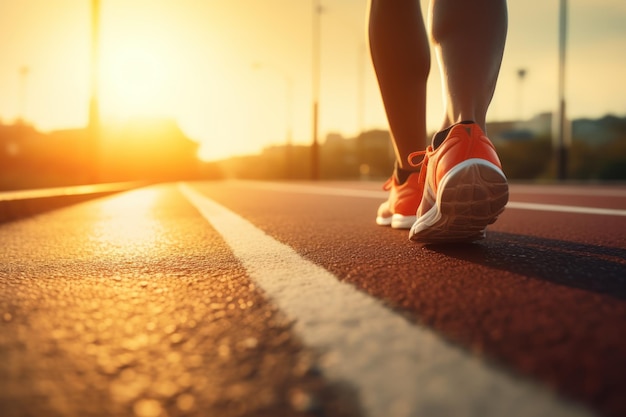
[413,155]
[388,184]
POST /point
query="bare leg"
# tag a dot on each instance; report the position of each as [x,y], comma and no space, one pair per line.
[469,38]
[401,57]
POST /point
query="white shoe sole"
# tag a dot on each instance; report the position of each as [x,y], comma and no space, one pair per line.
[397,221]
[470,197]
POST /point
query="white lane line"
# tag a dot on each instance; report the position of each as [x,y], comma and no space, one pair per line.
[398,369]
[69,191]
[314,189]
[577,191]
[565,209]
[382,195]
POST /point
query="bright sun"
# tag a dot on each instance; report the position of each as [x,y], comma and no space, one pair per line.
[133,81]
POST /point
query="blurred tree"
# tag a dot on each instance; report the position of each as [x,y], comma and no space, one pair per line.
[525,159]
[614,160]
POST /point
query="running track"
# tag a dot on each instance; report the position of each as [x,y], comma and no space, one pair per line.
[530,321]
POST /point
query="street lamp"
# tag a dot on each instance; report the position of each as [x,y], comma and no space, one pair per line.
[562,139]
[317,11]
[24,71]
[94,108]
[361,59]
[521,75]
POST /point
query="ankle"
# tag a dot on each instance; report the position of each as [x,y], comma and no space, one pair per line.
[402,175]
[440,136]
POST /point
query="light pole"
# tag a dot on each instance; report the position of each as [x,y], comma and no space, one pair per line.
[361,88]
[94,108]
[289,133]
[521,75]
[24,71]
[562,142]
[317,11]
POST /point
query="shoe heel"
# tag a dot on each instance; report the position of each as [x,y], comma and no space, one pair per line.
[474,195]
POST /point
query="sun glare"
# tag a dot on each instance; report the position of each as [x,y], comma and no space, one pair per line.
[134,81]
[140,225]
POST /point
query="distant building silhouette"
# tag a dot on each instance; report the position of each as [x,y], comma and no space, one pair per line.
[141,149]
[525,148]
[154,149]
[538,126]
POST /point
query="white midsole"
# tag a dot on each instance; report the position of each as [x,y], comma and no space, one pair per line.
[432,216]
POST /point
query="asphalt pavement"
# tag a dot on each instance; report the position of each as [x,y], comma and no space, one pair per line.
[234,298]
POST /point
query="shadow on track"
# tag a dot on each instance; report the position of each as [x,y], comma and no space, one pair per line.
[594,268]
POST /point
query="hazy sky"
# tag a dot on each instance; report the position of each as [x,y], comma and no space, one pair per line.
[236,74]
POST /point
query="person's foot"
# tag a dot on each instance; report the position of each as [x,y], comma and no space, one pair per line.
[399,211]
[465,188]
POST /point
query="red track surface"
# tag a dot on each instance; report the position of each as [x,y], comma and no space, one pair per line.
[544,294]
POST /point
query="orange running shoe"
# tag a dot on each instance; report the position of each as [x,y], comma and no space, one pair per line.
[465,188]
[404,199]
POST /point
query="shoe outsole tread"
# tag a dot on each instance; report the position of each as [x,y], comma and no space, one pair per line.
[470,199]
